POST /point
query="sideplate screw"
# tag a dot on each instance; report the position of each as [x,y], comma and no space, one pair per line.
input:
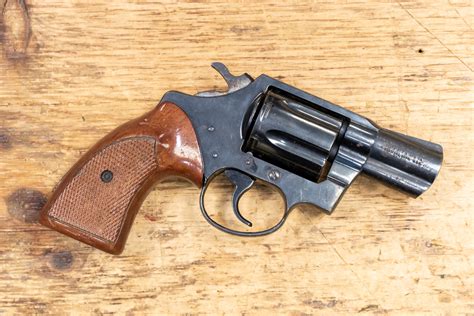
[273,175]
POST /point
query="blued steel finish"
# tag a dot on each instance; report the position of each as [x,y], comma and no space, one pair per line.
[295,136]
[308,148]
[406,163]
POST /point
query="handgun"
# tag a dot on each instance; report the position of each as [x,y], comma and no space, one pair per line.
[308,149]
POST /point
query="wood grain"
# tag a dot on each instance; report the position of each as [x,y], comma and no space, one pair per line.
[160,144]
[72,71]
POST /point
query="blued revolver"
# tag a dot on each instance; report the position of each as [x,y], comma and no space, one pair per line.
[259,129]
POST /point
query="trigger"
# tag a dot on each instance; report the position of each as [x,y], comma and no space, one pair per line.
[242,183]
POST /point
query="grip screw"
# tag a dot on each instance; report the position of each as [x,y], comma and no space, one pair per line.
[106,176]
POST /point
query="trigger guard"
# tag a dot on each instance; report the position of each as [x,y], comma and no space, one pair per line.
[233,231]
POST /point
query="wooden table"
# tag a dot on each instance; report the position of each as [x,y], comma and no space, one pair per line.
[70,71]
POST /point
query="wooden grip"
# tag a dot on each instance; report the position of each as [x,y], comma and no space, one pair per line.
[97,200]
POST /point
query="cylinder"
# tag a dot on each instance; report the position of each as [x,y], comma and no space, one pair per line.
[404,162]
[295,136]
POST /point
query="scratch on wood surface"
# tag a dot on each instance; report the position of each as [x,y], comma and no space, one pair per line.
[319,304]
[369,308]
[464,20]
[347,265]
[434,36]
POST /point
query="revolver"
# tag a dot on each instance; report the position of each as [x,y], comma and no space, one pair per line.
[307,148]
